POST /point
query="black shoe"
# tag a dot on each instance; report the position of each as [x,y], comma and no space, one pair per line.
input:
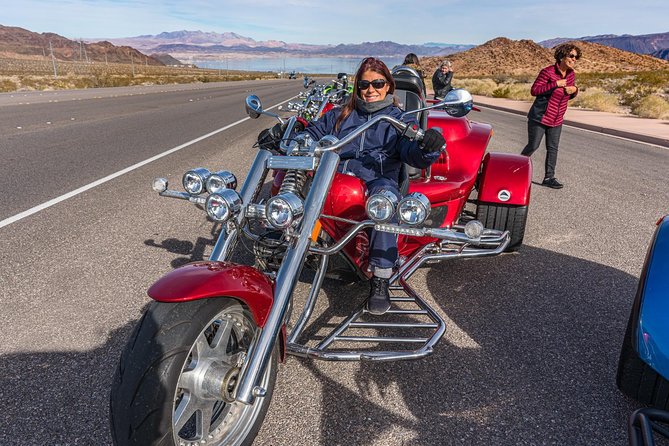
[552,183]
[379,297]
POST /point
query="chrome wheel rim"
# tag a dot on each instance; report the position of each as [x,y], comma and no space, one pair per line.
[204,412]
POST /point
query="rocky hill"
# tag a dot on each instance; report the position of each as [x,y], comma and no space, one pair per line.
[502,56]
[19,42]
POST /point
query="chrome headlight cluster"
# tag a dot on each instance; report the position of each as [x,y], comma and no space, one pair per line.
[221,206]
[381,207]
[411,210]
[218,181]
[197,181]
[194,180]
[414,209]
[283,210]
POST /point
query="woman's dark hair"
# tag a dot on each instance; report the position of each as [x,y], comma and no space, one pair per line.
[563,50]
[367,64]
[411,58]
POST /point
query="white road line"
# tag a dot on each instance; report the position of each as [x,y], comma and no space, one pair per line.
[41,207]
[582,129]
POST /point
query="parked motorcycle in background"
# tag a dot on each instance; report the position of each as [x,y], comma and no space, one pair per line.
[200,367]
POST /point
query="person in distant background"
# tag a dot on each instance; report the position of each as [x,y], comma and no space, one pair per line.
[441,80]
[554,87]
[411,61]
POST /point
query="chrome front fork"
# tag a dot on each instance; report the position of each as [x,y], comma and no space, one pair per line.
[261,350]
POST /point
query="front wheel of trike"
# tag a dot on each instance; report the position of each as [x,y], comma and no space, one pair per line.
[504,218]
[177,373]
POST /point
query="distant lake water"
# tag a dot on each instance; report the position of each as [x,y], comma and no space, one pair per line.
[311,65]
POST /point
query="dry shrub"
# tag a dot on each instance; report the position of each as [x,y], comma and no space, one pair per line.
[520,92]
[482,87]
[7,85]
[651,107]
[597,99]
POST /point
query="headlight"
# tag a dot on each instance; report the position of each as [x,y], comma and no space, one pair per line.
[218,181]
[159,185]
[283,210]
[414,209]
[194,180]
[381,207]
[223,205]
[474,229]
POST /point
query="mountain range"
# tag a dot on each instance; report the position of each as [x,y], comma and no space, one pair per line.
[490,58]
[211,45]
[656,45]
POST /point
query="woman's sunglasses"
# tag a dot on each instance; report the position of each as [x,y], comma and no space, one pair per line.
[376,83]
[573,56]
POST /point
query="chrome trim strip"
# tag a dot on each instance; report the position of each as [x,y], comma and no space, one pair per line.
[292,162]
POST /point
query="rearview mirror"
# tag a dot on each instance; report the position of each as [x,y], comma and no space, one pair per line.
[457,103]
[253,106]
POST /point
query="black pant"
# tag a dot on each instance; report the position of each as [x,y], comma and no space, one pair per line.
[536,131]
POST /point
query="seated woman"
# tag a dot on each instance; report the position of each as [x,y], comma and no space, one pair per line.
[376,158]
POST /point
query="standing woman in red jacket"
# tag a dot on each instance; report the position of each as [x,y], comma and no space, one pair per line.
[554,87]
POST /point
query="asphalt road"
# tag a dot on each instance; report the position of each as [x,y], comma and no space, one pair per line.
[530,353]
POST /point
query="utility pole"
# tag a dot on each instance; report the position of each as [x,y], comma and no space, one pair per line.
[53,60]
[81,57]
[85,53]
[132,62]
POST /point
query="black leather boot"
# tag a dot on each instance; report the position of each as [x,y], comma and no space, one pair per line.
[379,297]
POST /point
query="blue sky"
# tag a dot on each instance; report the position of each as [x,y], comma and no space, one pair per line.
[342,21]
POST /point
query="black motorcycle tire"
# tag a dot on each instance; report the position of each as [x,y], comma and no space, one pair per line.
[145,392]
[637,379]
[504,218]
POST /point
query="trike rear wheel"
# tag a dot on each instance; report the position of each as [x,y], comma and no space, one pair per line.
[504,218]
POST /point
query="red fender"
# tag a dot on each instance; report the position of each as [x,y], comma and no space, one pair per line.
[506,179]
[201,280]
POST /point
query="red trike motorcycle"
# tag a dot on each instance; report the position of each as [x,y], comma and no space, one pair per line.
[201,365]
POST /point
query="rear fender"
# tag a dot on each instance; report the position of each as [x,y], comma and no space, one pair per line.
[505,179]
[651,306]
[466,143]
[202,280]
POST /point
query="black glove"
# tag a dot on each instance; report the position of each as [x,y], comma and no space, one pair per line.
[269,139]
[433,141]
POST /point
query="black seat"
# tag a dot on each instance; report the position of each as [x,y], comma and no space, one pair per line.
[410,92]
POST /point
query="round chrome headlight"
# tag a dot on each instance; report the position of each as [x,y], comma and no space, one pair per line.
[159,184]
[223,205]
[414,209]
[474,229]
[381,206]
[218,181]
[194,180]
[283,210]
